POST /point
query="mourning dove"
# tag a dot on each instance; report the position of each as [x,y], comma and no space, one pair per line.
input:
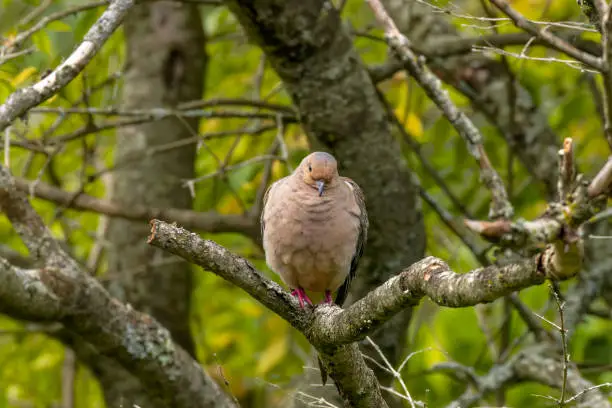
[314,226]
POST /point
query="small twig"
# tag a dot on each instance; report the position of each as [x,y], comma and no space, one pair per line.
[280,138]
[68,378]
[34,14]
[248,162]
[563,332]
[6,57]
[225,380]
[554,41]
[43,22]
[500,205]
[396,374]
[567,170]
[581,393]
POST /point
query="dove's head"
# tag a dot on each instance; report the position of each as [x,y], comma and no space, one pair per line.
[319,170]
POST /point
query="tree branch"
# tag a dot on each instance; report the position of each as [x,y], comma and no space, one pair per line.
[605,11]
[500,205]
[61,291]
[554,41]
[210,221]
[334,331]
[20,101]
[429,277]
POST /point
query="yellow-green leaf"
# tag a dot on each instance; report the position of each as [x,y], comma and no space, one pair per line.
[22,76]
[58,25]
[272,355]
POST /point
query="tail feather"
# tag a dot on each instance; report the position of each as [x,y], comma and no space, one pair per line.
[323,371]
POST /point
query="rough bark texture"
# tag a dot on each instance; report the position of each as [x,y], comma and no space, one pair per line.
[310,50]
[334,331]
[166,60]
[60,290]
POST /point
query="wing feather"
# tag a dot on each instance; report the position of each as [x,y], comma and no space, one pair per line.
[361,241]
[266,196]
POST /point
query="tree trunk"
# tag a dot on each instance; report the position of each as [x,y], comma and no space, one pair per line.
[165,66]
[312,53]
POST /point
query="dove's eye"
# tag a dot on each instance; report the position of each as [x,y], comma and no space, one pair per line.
[309,168]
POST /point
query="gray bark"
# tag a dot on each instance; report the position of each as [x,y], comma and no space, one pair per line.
[313,54]
[166,61]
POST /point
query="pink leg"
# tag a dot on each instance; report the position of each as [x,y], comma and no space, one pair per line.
[301,295]
[328,297]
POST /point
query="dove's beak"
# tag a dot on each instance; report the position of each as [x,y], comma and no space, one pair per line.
[320,186]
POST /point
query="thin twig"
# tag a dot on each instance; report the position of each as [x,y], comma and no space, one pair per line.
[500,205]
[43,22]
[563,332]
[543,33]
[394,372]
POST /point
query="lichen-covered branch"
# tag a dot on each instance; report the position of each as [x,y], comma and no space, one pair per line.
[500,205]
[330,329]
[333,331]
[59,290]
[20,101]
[23,295]
[233,268]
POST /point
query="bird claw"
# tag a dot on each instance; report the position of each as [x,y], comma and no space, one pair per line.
[328,297]
[301,295]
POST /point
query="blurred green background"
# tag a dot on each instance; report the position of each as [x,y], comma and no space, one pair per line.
[260,355]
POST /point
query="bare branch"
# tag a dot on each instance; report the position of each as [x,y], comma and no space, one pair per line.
[500,206]
[43,22]
[201,221]
[22,100]
[554,41]
[429,277]
[605,11]
[61,291]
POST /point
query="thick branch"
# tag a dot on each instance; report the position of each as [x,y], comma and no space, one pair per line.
[24,295]
[237,270]
[333,326]
[20,101]
[62,291]
[433,278]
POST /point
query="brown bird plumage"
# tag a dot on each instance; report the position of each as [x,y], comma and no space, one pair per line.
[314,226]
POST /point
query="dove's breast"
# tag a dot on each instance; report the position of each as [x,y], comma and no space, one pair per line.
[310,240]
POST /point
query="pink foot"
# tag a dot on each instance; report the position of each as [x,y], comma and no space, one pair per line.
[301,295]
[328,297]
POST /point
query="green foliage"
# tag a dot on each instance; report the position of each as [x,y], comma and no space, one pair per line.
[260,355]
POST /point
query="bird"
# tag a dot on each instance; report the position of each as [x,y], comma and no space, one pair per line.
[314,227]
